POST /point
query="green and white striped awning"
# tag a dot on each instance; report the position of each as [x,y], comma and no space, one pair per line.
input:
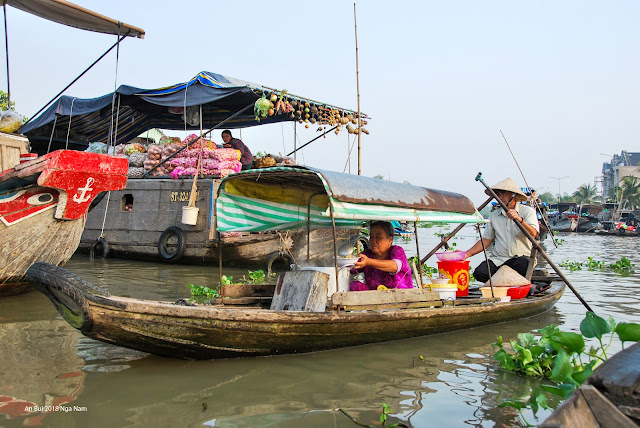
[243,214]
[277,198]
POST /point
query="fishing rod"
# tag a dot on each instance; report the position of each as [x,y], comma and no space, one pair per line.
[544,220]
[535,244]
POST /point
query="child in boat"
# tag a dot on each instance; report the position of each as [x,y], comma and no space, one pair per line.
[383,263]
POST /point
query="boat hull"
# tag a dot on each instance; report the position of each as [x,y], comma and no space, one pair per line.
[208,332]
[43,207]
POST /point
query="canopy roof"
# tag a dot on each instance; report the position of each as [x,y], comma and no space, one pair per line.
[166,108]
[70,14]
[278,199]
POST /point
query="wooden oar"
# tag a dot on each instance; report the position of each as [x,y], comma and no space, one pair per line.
[535,244]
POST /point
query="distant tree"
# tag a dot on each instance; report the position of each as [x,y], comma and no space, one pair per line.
[548,197]
[379,177]
[4,101]
[585,193]
[567,198]
[629,189]
[406,182]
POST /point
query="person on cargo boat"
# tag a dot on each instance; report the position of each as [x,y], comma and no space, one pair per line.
[246,158]
[510,246]
[382,263]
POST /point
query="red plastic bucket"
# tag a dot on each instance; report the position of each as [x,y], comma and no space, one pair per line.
[458,273]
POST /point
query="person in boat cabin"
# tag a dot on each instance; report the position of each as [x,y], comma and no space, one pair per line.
[382,263]
[510,246]
[246,158]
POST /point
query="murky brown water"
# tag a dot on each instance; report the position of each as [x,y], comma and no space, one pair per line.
[78,382]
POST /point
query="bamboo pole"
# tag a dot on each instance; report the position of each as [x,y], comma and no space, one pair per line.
[355,25]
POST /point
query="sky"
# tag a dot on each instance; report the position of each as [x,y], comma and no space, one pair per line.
[439,80]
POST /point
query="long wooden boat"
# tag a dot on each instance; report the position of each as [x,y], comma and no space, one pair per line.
[227,330]
[610,397]
[308,309]
[43,207]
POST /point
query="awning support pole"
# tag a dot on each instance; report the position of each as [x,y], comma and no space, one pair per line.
[415,231]
[535,244]
[306,144]
[452,234]
[309,222]
[6,49]
[335,244]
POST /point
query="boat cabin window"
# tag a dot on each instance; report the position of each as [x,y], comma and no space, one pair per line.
[126,204]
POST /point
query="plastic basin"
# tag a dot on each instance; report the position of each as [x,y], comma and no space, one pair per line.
[451,256]
[518,292]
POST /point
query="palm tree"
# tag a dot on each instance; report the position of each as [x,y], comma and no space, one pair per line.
[629,189]
[585,193]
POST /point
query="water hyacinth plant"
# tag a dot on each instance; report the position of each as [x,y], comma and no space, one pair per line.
[561,356]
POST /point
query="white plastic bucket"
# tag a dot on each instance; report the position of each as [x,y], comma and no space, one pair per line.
[446,291]
[190,215]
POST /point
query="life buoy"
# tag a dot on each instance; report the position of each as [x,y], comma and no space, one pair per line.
[172,244]
[286,257]
[100,242]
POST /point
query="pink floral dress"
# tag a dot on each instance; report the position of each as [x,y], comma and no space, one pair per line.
[374,277]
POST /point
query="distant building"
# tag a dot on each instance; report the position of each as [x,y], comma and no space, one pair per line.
[622,165]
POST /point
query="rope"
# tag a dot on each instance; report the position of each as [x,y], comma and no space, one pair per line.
[112,137]
[527,184]
[53,128]
[66,146]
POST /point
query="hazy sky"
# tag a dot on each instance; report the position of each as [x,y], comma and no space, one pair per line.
[439,79]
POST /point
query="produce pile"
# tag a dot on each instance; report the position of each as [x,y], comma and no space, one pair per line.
[308,113]
[215,161]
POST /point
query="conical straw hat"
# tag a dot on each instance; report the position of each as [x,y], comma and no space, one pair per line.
[507,277]
[510,186]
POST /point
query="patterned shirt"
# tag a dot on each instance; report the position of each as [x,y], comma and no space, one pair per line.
[400,279]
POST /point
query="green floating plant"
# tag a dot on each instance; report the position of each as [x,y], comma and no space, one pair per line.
[561,356]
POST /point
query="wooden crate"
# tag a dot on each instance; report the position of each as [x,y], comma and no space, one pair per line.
[11,147]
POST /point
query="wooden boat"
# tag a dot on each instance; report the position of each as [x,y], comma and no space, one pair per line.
[309,309]
[43,207]
[44,201]
[609,398]
[228,329]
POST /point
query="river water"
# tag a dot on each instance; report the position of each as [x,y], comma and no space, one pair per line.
[51,375]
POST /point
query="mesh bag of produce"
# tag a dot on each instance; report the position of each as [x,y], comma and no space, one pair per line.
[137,159]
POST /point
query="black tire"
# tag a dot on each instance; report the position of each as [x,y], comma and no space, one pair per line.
[285,257]
[166,244]
[360,241]
[67,292]
[100,242]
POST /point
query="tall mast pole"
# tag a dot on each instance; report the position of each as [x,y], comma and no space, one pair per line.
[355,24]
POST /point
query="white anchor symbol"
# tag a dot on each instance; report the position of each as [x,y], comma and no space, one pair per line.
[81,198]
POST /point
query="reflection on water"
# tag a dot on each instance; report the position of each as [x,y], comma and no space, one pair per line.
[443,380]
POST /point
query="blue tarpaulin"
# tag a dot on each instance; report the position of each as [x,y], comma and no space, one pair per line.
[137,110]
